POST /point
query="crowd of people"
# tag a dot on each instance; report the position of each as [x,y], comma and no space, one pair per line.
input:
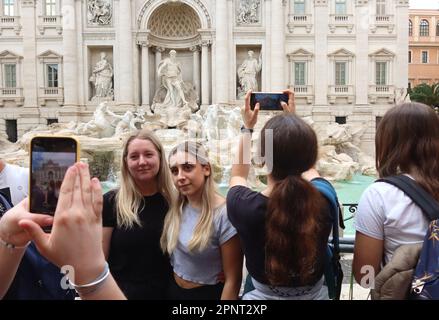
[166,233]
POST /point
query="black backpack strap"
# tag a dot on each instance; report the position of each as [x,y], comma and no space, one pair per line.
[414,191]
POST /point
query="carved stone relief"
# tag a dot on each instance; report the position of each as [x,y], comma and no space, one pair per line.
[100,12]
[248,12]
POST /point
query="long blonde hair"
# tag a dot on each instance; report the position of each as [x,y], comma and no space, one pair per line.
[204,228]
[129,199]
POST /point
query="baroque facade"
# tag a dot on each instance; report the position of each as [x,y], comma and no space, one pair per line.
[347,60]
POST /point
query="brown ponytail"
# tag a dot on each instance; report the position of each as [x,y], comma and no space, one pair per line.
[295,208]
[292,228]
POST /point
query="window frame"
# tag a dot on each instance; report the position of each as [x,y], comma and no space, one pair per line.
[8,7]
[50,8]
[302,73]
[338,73]
[341,4]
[13,81]
[410,56]
[341,120]
[410,28]
[424,28]
[427,57]
[381,79]
[50,82]
[381,8]
[299,4]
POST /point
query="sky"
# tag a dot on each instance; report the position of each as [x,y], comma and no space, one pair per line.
[424,4]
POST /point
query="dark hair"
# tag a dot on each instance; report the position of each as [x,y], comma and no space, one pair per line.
[293,221]
[407,141]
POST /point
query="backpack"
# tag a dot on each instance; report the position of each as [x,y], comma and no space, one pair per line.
[333,271]
[423,272]
[36,278]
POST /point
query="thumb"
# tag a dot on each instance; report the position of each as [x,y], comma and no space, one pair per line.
[37,235]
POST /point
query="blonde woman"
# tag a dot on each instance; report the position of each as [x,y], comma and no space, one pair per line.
[133,217]
[197,234]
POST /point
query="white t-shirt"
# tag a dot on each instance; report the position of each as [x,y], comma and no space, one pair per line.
[386,213]
[17,180]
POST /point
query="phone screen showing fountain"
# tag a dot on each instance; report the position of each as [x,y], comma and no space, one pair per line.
[50,159]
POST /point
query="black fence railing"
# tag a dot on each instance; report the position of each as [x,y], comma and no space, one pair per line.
[347,242]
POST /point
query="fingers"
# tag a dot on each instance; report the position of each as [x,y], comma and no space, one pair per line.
[290,93]
[40,219]
[256,111]
[77,193]
[247,100]
[37,235]
[66,191]
[96,190]
[84,175]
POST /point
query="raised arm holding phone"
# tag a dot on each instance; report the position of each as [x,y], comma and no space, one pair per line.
[76,238]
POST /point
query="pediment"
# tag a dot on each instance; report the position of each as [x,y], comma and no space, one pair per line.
[6,54]
[382,53]
[342,53]
[301,53]
[49,54]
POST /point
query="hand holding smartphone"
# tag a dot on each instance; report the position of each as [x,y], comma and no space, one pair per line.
[270,101]
[50,157]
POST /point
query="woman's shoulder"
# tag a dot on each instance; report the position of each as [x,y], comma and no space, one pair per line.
[243,193]
[110,196]
[109,212]
[382,190]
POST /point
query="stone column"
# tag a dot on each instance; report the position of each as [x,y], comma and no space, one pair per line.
[145,73]
[402,42]
[362,54]
[222,52]
[196,70]
[158,58]
[205,78]
[278,56]
[70,58]
[321,18]
[30,85]
[126,92]
[29,115]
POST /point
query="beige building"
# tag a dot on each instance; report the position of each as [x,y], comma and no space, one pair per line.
[423,47]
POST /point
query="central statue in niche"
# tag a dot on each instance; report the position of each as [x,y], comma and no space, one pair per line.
[174,100]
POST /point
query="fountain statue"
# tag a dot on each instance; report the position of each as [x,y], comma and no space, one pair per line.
[217,127]
[174,100]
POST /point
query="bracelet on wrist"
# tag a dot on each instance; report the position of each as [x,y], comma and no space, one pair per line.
[246,130]
[12,246]
[92,286]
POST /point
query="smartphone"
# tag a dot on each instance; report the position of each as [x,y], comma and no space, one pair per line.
[50,157]
[268,100]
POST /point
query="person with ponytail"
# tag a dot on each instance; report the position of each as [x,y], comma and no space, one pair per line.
[198,236]
[133,217]
[285,228]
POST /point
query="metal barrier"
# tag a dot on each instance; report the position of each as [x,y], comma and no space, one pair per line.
[347,242]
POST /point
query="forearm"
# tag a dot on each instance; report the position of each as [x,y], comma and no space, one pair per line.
[109,290]
[9,262]
[231,289]
[241,166]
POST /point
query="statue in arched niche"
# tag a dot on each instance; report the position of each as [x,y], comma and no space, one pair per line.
[175,99]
